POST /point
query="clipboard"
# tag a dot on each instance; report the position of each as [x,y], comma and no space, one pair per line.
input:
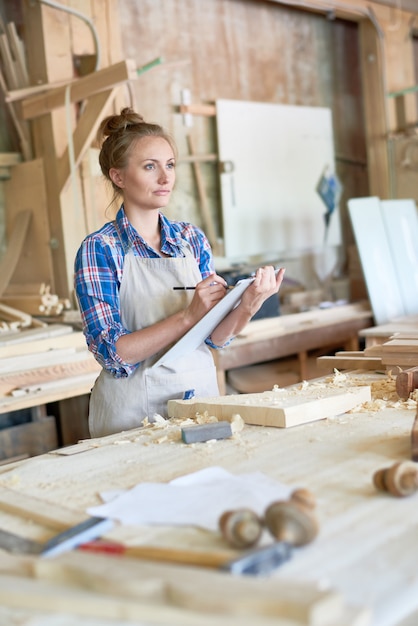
[200,331]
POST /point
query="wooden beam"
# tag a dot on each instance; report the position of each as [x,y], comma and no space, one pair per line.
[376,123]
[203,199]
[86,129]
[80,89]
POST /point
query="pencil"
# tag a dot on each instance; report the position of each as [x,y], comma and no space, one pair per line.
[186,288]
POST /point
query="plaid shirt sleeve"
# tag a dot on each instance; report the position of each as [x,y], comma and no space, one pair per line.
[98,272]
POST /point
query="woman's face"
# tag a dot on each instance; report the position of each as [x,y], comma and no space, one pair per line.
[148,179]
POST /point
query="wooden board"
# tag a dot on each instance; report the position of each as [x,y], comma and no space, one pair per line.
[26,191]
[282,408]
[376,260]
[263,202]
[347,362]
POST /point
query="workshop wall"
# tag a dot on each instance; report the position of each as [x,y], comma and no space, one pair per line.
[256,51]
[239,49]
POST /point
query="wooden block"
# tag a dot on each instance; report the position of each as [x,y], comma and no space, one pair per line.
[406,382]
[206,432]
[282,408]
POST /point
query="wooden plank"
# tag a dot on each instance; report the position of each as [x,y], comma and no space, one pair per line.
[26,191]
[51,358]
[16,47]
[50,596]
[374,76]
[8,63]
[26,335]
[199,590]
[400,345]
[80,89]
[329,363]
[203,199]
[75,340]
[97,107]
[282,408]
[39,511]
[17,237]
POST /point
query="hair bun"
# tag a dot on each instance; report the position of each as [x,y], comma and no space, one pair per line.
[116,123]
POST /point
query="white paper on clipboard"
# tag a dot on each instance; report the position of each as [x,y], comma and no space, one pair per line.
[200,331]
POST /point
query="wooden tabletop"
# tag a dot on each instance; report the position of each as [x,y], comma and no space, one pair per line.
[365,548]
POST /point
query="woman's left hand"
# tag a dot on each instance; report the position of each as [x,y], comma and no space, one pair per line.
[265,284]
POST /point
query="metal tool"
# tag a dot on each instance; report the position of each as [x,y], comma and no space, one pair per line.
[87,530]
[261,561]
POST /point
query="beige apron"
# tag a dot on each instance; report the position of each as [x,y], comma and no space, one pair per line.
[146,297]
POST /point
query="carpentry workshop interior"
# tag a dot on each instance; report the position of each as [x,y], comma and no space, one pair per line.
[232,444]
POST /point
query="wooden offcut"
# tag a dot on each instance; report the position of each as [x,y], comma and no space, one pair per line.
[79,89]
[282,408]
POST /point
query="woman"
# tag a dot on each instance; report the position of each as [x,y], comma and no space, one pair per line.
[125,274]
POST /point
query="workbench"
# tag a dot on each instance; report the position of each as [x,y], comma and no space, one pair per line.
[295,334]
[365,550]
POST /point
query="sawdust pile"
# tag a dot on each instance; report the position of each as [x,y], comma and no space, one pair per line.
[383,392]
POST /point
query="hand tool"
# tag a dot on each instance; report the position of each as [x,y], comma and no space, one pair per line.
[406,382]
[206,432]
[85,531]
[401,479]
[251,562]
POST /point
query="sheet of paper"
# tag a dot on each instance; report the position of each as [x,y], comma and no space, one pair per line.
[197,499]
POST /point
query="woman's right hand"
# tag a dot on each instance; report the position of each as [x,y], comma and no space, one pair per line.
[207,293]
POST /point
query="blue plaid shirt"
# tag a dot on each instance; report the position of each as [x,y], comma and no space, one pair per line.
[98,275]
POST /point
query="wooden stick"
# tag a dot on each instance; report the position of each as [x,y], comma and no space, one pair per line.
[204,205]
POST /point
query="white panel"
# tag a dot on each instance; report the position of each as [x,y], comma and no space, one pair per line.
[376,259]
[401,222]
[269,199]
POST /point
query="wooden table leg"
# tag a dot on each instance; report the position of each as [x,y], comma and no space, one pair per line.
[303,365]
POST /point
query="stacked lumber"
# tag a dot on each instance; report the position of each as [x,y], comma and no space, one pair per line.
[44,364]
[398,353]
[401,351]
